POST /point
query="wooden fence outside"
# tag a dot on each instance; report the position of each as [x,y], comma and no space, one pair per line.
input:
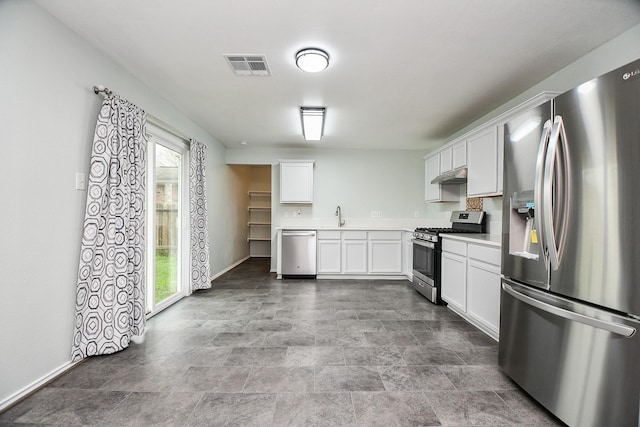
[166,227]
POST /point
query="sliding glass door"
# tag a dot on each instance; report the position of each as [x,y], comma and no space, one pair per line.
[167,216]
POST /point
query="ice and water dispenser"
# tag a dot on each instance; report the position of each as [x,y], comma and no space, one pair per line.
[523,236]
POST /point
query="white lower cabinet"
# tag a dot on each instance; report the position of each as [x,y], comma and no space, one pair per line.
[386,257]
[385,252]
[329,256]
[407,255]
[354,256]
[454,280]
[483,294]
[471,283]
[361,252]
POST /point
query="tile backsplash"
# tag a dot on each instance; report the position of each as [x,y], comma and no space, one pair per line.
[474,203]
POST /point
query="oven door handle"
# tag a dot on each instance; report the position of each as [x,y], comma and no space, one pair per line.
[426,244]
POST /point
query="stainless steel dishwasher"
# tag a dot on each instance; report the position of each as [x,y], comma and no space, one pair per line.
[298,252]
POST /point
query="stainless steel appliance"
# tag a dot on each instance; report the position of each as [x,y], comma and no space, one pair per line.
[298,252]
[570,301]
[427,250]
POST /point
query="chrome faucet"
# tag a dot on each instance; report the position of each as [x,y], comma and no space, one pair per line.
[339,215]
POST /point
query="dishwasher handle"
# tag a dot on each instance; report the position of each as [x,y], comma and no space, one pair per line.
[299,233]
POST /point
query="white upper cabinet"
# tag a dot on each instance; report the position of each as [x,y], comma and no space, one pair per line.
[482,150]
[459,154]
[296,181]
[445,160]
[437,192]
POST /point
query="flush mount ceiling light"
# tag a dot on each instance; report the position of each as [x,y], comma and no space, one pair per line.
[312,122]
[312,60]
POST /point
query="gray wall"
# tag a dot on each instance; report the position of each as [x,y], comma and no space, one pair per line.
[47,114]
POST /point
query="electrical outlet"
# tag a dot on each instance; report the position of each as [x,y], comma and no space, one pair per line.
[416,214]
[286,214]
[376,214]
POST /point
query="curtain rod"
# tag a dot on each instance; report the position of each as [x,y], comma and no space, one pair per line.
[166,126]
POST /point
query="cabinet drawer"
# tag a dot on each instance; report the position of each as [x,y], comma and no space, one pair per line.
[454,246]
[485,254]
[385,235]
[354,235]
[328,235]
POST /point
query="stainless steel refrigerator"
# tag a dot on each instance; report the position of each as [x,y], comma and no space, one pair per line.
[570,297]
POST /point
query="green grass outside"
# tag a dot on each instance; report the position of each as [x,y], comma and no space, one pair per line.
[166,275]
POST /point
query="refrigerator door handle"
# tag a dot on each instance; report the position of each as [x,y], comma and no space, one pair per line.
[616,328]
[538,192]
[554,197]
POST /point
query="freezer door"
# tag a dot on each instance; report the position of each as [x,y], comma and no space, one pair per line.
[581,363]
[524,142]
[599,255]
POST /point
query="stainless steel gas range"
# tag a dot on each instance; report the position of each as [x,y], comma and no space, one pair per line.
[427,249]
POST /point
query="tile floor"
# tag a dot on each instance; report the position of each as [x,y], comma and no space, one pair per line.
[255,351]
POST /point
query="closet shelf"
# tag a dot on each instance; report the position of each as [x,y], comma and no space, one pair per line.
[259,193]
[257,208]
[250,223]
[258,239]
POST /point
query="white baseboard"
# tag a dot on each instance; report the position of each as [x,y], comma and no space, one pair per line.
[36,385]
[232,266]
[360,277]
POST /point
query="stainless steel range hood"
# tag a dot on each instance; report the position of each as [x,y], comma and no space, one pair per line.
[456,176]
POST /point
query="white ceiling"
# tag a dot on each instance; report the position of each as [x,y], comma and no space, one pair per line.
[403,74]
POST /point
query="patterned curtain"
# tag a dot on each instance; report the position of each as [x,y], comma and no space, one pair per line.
[110,290]
[200,269]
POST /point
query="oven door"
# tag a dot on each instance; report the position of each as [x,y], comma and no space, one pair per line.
[425,269]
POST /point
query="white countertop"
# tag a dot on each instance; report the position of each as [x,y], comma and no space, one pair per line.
[485,239]
[372,228]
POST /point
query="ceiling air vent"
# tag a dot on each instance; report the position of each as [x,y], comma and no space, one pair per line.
[248,65]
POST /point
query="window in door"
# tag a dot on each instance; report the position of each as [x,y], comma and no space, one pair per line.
[167,216]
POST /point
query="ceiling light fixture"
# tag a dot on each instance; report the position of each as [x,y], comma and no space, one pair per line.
[312,60]
[312,122]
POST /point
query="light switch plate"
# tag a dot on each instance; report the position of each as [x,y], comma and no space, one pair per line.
[81,181]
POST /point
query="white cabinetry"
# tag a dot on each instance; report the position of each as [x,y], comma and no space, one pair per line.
[364,253]
[407,254]
[482,149]
[483,287]
[437,192]
[459,154]
[296,181]
[454,274]
[354,252]
[453,156]
[471,283]
[446,160]
[329,252]
[385,252]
